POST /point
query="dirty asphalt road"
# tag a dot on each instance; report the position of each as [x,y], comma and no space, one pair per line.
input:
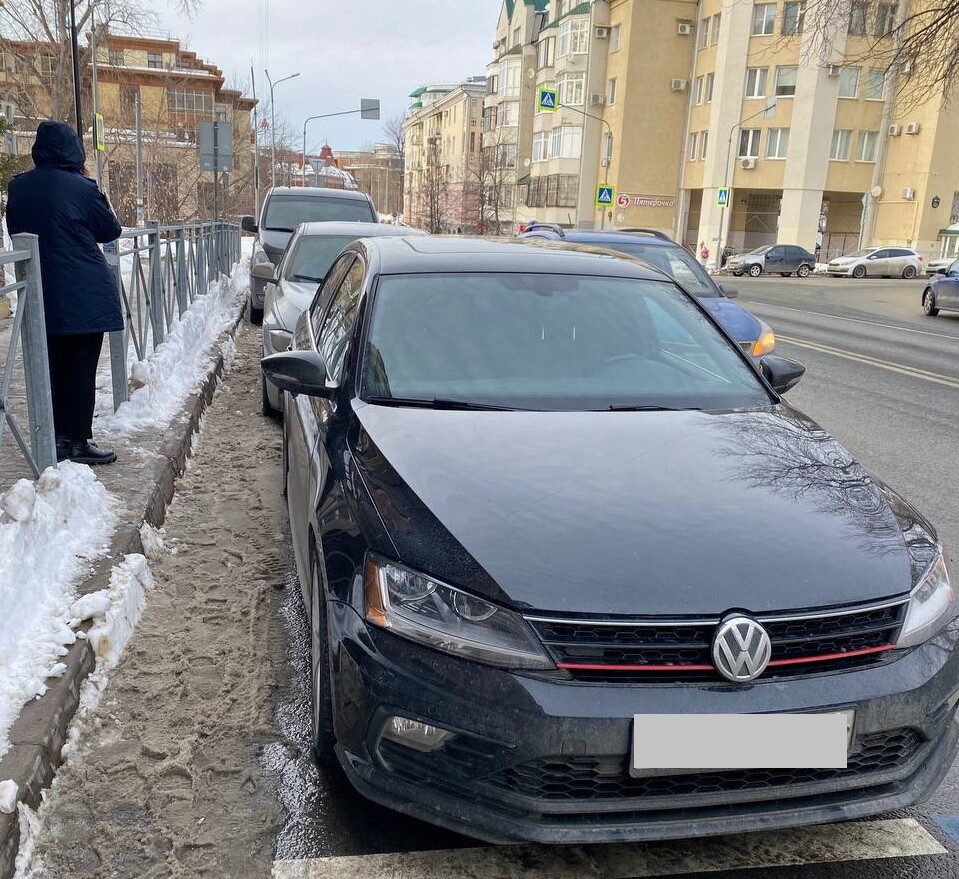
[198,764]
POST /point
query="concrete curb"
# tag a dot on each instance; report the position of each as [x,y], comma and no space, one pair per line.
[40,731]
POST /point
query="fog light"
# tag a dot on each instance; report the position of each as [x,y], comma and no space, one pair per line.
[416,735]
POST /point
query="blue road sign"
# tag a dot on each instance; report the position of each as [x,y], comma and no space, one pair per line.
[547,100]
[605,195]
[722,197]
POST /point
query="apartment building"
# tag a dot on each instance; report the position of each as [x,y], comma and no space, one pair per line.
[442,150]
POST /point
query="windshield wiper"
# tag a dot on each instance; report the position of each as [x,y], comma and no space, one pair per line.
[278,229]
[435,403]
[630,407]
[296,277]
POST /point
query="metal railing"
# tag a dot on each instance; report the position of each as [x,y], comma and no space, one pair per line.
[160,272]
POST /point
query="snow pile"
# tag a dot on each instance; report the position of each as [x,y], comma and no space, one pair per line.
[181,363]
[48,534]
[8,796]
[821,268]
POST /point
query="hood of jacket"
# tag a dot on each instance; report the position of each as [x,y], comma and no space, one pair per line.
[58,146]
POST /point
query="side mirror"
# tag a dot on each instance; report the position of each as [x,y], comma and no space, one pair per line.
[781,372]
[299,372]
[730,291]
[264,271]
[248,224]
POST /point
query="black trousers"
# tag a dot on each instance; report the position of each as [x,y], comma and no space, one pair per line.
[73,380]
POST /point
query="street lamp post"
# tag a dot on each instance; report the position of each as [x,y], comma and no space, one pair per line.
[273,85]
[609,146]
[369,109]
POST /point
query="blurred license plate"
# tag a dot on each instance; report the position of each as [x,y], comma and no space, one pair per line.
[670,743]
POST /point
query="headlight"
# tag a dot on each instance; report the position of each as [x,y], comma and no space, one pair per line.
[448,619]
[933,603]
[766,341]
[280,340]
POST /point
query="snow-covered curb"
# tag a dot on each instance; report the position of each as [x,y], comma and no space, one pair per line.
[49,533]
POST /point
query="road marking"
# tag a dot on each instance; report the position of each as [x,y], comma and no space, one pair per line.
[858,320]
[912,372]
[824,844]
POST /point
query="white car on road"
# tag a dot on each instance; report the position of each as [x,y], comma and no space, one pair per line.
[878,262]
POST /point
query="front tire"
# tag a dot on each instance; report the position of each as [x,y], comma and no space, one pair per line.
[929,303]
[256,314]
[859,272]
[909,272]
[265,404]
[803,271]
[755,271]
[324,738]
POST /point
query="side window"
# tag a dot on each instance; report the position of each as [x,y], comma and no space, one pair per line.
[775,253]
[334,339]
[880,254]
[325,293]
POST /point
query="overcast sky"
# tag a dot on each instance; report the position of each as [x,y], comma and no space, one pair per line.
[344,50]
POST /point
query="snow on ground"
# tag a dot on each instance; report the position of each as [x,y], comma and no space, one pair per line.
[179,365]
[48,535]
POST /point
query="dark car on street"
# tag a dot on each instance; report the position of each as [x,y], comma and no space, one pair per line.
[575,571]
[754,336]
[782,259]
[942,291]
[284,208]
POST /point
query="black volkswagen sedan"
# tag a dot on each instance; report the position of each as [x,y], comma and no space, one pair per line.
[576,572]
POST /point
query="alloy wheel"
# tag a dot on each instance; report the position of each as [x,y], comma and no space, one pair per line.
[755,270]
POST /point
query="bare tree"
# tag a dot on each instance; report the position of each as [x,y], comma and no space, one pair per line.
[393,129]
[433,192]
[492,173]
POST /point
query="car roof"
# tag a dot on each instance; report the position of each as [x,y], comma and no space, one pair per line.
[318,192]
[588,236]
[359,230]
[436,253]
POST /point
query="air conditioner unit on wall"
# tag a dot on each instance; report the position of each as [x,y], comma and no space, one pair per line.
[601,33]
[909,193]
[684,29]
[748,163]
[834,69]
[894,130]
[678,85]
[597,100]
[913,128]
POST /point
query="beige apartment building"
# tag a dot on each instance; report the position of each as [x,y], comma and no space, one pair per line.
[442,151]
[672,101]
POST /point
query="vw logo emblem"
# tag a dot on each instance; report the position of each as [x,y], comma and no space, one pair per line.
[741,649]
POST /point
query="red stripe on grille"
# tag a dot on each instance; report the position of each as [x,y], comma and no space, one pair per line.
[826,657]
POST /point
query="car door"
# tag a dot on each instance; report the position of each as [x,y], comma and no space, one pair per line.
[947,288]
[775,259]
[878,263]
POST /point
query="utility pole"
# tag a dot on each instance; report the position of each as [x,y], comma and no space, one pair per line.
[273,85]
[141,216]
[75,52]
[369,109]
[256,152]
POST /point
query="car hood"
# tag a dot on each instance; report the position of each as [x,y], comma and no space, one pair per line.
[274,243]
[633,513]
[845,260]
[291,300]
[733,318]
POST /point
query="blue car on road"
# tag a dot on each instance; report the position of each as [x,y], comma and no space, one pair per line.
[754,336]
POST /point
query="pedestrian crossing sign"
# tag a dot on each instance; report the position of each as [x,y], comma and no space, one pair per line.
[605,195]
[722,197]
[546,101]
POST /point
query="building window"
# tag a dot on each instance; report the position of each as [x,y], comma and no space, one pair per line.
[614,37]
[867,146]
[749,142]
[611,91]
[567,142]
[517,32]
[756,82]
[710,78]
[764,19]
[858,16]
[128,100]
[115,57]
[777,143]
[885,19]
[794,14]
[47,64]
[509,113]
[505,155]
[849,82]
[492,85]
[186,101]
[154,60]
[570,87]
[540,146]
[839,151]
[702,35]
[509,75]
[573,37]
[546,52]
[714,24]
[875,89]
[698,90]
[489,118]
[786,81]
[693,152]
[568,184]
[703,141]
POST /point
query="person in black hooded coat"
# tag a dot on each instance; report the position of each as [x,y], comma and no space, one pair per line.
[58,202]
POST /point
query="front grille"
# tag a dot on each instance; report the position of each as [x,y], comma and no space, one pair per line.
[598,778]
[631,650]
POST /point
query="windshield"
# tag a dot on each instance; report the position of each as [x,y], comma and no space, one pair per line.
[865,252]
[284,212]
[760,250]
[313,256]
[549,342]
[674,261]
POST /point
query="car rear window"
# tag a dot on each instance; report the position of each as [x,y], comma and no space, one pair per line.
[674,260]
[313,255]
[285,212]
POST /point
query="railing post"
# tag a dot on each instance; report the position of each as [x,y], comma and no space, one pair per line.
[119,340]
[201,269]
[182,299]
[155,284]
[36,359]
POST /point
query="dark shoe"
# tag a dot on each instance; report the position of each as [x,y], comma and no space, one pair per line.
[90,453]
[63,448]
